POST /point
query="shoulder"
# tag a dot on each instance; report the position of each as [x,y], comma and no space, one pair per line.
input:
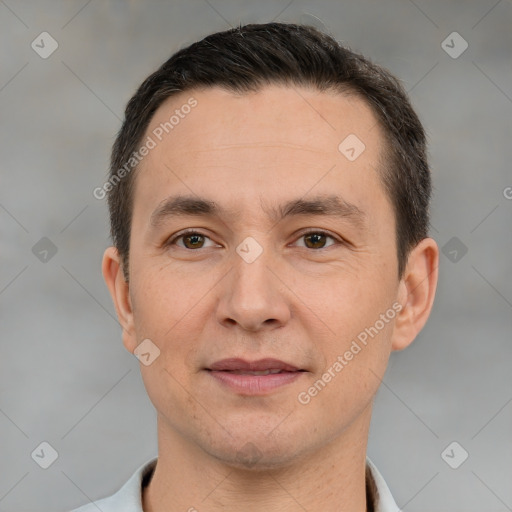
[129,497]
[378,491]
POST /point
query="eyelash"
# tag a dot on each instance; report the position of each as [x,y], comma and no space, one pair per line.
[172,240]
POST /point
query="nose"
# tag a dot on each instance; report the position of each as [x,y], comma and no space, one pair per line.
[254,296]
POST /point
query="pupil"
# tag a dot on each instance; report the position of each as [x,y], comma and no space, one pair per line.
[317,235]
[193,237]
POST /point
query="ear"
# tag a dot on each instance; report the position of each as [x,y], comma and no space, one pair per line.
[417,290]
[120,291]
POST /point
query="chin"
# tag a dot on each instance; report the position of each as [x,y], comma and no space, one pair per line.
[257,452]
[251,458]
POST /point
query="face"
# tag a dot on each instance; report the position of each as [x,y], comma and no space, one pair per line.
[253,279]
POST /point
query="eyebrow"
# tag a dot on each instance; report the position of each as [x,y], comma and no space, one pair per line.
[324,205]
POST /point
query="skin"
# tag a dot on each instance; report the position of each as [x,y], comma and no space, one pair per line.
[294,302]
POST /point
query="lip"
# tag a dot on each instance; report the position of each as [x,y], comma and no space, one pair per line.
[259,365]
[226,372]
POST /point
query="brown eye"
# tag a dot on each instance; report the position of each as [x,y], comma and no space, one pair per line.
[191,240]
[194,240]
[316,239]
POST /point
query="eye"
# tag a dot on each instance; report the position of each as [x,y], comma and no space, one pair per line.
[316,239]
[194,238]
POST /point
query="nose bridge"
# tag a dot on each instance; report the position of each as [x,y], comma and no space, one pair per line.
[253,296]
[253,259]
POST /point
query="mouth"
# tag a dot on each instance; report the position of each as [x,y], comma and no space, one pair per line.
[272,371]
[254,377]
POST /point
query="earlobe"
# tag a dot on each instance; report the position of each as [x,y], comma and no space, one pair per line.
[120,291]
[416,293]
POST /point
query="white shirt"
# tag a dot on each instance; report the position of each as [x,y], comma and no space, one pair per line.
[129,497]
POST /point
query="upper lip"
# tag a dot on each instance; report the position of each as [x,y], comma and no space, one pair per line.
[259,365]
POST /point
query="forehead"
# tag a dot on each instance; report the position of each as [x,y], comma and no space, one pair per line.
[280,140]
[221,119]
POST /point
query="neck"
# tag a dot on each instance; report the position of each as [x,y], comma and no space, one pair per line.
[331,478]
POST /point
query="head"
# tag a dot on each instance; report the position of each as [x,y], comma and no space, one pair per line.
[251,136]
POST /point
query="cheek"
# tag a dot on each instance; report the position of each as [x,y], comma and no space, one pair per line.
[355,362]
[163,313]
[360,315]
[159,300]
[159,312]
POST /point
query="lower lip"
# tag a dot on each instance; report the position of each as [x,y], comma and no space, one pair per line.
[255,384]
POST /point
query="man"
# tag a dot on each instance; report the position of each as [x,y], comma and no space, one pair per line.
[269,195]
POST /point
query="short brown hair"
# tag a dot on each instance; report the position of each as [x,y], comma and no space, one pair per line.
[249,57]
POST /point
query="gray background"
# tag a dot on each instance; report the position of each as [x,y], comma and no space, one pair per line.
[65,377]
